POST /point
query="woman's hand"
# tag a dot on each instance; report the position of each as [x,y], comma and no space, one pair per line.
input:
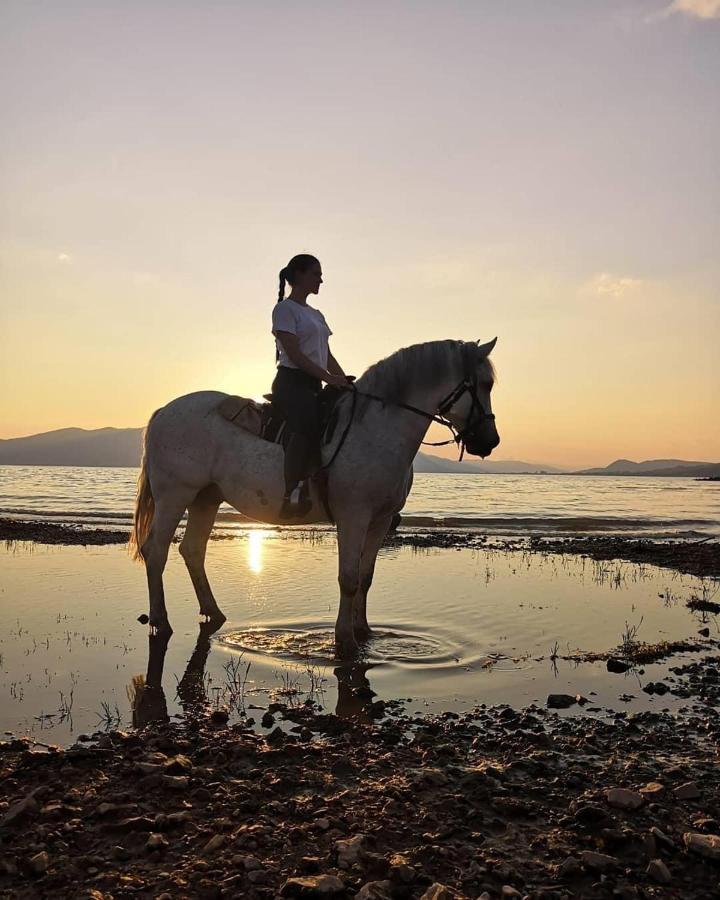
[338,381]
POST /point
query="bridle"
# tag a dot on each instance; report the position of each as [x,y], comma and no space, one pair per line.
[468,385]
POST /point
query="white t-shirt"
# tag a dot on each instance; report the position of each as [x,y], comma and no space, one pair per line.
[310,327]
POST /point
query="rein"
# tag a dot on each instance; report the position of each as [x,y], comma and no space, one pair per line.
[468,384]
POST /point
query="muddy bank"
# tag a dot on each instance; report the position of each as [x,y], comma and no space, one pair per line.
[495,803]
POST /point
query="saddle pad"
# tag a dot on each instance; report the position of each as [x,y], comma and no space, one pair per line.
[243,412]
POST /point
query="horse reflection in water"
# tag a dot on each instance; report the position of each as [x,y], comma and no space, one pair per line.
[149,703]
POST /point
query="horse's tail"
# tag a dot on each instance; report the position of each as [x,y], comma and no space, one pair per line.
[144,505]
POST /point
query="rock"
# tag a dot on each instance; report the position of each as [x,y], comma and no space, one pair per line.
[268,720]
[39,863]
[312,886]
[400,872]
[570,868]
[704,632]
[617,665]
[157,842]
[349,852]
[687,791]
[214,844]
[658,872]
[598,862]
[219,716]
[621,798]
[560,701]
[27,805]
[178,765]
[375,890]
[707,845]
[509,891]
[437,892]
[176,782]
[652,790]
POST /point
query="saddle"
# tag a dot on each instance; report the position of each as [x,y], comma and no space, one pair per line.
[266,422]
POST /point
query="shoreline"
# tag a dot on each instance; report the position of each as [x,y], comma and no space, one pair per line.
[495,803]
[693,557]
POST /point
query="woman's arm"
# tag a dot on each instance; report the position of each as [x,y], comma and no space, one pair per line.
[291,346]
[334,366]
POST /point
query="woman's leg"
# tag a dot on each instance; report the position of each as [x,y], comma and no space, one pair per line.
[295,396]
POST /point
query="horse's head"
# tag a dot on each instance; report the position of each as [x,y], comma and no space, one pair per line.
[472,413]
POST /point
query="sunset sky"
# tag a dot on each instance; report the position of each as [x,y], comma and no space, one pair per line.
[546,171]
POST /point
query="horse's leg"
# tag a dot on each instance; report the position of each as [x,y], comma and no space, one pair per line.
[373,541]
[201,517]
[168,512]
[351,539]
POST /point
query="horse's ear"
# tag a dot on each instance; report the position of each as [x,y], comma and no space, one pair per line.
[486,349]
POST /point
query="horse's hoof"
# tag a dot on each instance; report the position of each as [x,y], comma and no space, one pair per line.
[215,617]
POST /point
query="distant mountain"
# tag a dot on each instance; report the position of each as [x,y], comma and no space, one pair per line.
[657,468]
[74,447]
[122,447]
[426,462]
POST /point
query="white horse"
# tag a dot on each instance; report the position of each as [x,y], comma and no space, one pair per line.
[193,459]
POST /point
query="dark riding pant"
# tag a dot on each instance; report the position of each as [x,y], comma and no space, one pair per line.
[295,396]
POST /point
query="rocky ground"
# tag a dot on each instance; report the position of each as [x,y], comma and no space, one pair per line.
[496,803]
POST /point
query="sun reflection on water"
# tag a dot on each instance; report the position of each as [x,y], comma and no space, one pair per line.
[256,539]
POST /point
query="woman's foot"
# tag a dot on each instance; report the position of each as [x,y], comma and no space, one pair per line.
[295,505]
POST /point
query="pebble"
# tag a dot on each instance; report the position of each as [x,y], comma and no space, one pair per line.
[652,790]
[39,863]
[214,844]
[157,842]
[312,886]
[350,851]
[658,872]
[707,845]
[560,701]
[437,892]
[598,862]
[621,798]
[687,791]
[375,890]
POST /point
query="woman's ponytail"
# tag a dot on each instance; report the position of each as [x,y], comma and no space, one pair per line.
[283,279]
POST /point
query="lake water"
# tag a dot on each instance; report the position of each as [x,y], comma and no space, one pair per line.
[659,507]
[454,627]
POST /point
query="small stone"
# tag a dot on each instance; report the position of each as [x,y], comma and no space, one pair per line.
[621,798]
[658,872]
[219,716]
[178,765]
[157,842]
[560,701]
[375,890]
[652,790]
[707,845]
[18,810]
[268,720]
[704,632]
[687,791]
[323,824]
[214,844]
[598,862]
[509,891]
[437,892]
[617,665]
[39,863]
[143,618]
[349,852]
[312,886]
[570,868]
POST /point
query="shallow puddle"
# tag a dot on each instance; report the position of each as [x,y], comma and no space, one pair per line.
[453,629]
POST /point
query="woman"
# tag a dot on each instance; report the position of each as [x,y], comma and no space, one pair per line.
[304,362]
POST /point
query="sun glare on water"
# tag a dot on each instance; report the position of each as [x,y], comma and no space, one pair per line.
[255,543]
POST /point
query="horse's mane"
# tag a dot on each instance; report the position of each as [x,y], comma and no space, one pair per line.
[412,367]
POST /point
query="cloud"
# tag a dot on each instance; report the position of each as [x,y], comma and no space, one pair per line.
[607,285]
[698,9]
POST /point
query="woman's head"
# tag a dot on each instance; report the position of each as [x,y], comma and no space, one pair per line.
[303,273]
